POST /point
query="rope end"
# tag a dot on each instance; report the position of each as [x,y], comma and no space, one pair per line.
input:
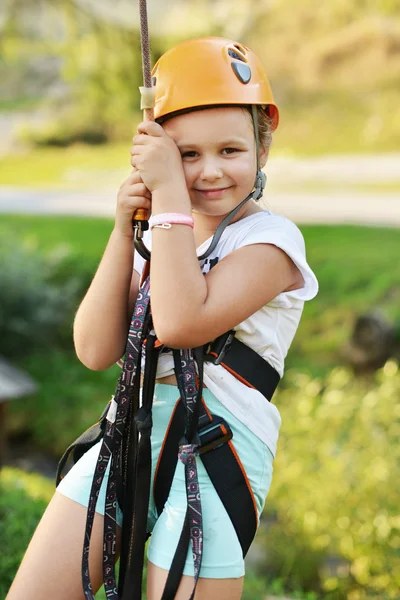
[147,97]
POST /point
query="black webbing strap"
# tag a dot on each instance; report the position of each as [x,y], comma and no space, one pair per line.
[126,469]
[223,467]
[244,363]
[133,549]
[230,481]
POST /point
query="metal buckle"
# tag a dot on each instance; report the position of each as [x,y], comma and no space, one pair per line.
[218,439]
[221,347]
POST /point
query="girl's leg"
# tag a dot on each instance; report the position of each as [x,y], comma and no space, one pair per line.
[207,589]
[51,567]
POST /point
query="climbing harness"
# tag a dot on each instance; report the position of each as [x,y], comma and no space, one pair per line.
[124,429]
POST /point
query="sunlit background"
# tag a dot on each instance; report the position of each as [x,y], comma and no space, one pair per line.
[69,104]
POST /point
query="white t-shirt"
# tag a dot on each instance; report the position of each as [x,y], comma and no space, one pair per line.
[269,331]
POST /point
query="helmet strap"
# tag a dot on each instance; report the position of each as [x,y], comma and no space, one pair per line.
[261,178]
[256,134]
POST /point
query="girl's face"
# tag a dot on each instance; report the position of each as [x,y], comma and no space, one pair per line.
[217,146]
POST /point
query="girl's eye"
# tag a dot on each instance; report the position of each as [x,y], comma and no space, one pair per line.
[189,154]
[230,150]
[193,153]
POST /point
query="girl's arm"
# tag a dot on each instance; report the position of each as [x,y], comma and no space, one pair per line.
[102,321]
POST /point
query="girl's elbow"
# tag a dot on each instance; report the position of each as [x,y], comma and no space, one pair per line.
[93,360]
[180,337]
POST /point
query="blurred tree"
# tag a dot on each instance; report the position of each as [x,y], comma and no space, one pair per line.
[33,306]
[92,50]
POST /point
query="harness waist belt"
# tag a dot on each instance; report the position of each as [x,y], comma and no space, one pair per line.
[244,363]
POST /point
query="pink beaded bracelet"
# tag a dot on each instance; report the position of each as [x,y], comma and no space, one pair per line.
[166,220]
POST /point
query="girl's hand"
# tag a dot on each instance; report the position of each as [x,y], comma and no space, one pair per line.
[133,194]
[156,156]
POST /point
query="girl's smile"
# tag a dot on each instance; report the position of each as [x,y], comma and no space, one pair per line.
[214,193]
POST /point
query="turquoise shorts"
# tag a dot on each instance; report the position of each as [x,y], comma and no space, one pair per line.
[222,553]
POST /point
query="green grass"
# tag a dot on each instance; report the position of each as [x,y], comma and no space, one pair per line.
[358,271]
[84,236]
[21,103]
[77,166]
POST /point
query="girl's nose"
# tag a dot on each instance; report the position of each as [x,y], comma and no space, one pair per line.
[211,170]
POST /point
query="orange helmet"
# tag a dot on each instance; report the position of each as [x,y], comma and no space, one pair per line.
[211,71]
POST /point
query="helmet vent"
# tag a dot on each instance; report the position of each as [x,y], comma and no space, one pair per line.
[234,54]
[240,48]
[242,72]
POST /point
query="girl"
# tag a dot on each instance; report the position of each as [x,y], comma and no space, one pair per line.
[199,162]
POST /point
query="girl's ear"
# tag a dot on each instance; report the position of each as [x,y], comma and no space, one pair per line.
[263,156]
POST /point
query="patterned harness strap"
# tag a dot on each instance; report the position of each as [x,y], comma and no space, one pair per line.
[190,383]
[130,458]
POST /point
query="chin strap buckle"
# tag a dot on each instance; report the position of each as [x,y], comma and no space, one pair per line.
[261,180]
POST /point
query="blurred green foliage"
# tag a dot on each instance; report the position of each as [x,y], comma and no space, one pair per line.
[23,498]
[34,303]
[70,399]
[334,493]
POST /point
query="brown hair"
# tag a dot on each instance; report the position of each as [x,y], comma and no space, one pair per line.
[264,125]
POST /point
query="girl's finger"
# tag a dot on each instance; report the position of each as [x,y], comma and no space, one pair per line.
[138,149]
[136,162]
[142,139]
[151,128]
[134,178]
[135,150]
[138,190]
[140,202]
[134,202]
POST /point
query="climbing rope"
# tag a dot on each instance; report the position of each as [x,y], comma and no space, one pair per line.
[147,91]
